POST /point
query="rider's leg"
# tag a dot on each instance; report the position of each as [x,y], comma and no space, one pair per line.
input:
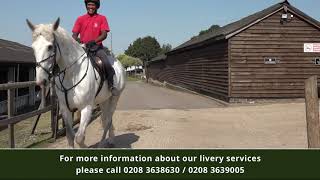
[102,54]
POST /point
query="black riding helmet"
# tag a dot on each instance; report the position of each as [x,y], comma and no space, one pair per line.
[97,2]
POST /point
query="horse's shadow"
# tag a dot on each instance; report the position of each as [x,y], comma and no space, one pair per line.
[124,141]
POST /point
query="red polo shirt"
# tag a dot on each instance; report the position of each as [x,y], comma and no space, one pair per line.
[90,27]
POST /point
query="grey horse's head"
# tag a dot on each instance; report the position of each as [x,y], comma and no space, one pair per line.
[43,44]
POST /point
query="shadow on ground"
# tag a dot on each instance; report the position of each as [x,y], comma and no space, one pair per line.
[124,141]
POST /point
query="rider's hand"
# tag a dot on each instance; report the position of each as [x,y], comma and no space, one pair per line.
[91,44]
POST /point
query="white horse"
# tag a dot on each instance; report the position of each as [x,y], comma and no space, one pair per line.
[61,58]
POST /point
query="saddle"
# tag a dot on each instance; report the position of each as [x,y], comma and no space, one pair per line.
[98,65]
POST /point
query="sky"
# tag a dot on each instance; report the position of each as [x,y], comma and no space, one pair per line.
[170,21]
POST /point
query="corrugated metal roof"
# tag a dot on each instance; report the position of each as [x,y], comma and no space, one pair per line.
[223,32]
[12,52]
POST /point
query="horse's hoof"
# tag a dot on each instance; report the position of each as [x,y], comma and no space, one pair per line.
[70,147]
[83,146]
[80,140]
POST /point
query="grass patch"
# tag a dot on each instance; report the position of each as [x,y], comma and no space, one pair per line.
[132,78]
[42,136]
[22,131]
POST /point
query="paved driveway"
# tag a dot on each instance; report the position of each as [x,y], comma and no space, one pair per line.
[142,96]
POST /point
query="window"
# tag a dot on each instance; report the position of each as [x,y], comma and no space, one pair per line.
[269,60]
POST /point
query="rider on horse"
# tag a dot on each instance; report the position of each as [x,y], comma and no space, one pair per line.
[93,29]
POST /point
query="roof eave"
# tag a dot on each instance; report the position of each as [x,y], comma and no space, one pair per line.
[305,17]
[157,60]
[230,35]
[285,3]
[208,41]
[290,9]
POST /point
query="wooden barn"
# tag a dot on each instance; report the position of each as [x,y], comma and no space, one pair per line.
[266,55]
[17,64]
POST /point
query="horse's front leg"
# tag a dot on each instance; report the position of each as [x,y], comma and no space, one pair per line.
[85,119]
[68,121]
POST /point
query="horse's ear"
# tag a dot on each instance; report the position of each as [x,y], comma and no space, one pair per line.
[56,24]
[31,26]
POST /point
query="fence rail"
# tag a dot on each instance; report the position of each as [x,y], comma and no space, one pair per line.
[20,102]
[11,119]
[19,118]
[17,85]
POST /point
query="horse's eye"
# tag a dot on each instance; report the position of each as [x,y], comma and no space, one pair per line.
[50,48]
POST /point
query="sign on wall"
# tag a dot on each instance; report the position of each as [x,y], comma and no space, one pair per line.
[312,47]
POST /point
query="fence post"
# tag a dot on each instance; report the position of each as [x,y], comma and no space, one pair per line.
[312,112]
[42,105]
[32,91]
[11,111]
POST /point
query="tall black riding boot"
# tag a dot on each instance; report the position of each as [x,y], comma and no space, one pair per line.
[110,76]
[101,53]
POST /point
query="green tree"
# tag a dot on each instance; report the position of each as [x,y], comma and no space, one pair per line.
[165,48]
[144,48]
[211,29]
[128,61]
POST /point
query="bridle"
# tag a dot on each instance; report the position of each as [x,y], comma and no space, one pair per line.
[54,70]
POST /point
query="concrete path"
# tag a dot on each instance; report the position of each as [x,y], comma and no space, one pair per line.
[142,96]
